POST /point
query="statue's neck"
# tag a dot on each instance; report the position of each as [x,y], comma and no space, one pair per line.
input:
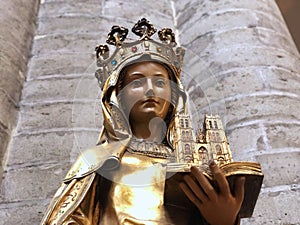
[154,131]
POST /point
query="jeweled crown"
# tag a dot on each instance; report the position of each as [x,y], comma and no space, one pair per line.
[146,48]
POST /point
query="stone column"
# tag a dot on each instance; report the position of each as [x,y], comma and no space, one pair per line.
[17,25]
[246,48]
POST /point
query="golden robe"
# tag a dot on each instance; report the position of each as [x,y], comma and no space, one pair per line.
[132,194]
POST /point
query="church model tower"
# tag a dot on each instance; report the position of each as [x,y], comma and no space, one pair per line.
[209,143]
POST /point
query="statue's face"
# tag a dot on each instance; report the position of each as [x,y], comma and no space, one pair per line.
[146,91]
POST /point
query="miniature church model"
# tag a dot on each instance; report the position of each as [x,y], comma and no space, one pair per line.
[209,143]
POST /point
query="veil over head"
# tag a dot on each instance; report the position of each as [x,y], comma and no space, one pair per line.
[116,124]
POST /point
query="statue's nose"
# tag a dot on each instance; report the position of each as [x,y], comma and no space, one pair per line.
[149,88]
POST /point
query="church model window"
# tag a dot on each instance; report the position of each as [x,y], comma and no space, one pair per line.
[183,135]
[218,149]
[202,149]
[186,123]
[221,160]
[187,149]
[181,123]
[218,137]
[216,125]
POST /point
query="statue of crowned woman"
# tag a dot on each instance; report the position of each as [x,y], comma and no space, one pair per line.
[122,180]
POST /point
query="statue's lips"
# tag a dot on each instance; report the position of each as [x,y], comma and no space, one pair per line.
[150,101]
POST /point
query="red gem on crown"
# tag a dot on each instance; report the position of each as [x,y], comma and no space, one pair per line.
[134,49]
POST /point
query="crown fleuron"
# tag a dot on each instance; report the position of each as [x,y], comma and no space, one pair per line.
[144,48]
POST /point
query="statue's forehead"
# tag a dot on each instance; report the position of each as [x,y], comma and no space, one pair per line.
[150,68]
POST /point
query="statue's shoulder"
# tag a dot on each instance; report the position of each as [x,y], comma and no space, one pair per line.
[105,156]
[68,196]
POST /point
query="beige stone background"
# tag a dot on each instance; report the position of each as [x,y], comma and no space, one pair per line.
[49,108]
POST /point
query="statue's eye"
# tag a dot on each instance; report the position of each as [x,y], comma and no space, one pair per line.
[136,83]
[160,82]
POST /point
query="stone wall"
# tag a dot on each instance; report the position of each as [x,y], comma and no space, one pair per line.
[249,73]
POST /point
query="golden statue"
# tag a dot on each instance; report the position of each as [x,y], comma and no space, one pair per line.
[146,167]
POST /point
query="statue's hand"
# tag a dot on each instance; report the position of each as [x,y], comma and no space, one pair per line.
[217,207]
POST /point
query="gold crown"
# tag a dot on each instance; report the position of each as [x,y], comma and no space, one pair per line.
[145,48]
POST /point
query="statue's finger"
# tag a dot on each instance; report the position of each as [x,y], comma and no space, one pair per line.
[191,196]
[195,188]
[220,178]
[204,183]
